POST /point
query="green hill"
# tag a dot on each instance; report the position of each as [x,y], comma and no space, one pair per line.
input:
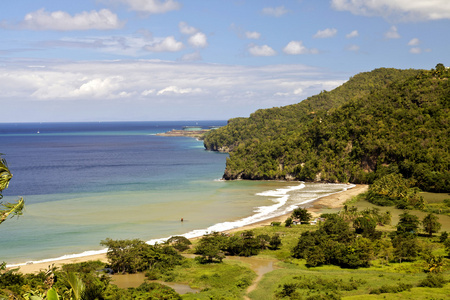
[379,122]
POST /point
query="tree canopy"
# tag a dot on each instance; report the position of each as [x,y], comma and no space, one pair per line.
[387,121]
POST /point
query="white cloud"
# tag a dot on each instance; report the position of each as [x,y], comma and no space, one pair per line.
[128,90]
[326,33]
[169,44]
[129,45]
[415,50]
[194,56]
[60,20]
[354,48]
[414,42]
[151,6]
[352,34]
[186,29]
[298,91]
[392,33]
[198,40]
[85,87]
[177,90]
[264,50]
[97,87]
[148,92]
[297,47]
[274,11]
[403,10]
[252,35]
[418,50]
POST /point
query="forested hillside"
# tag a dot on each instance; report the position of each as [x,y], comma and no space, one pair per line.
[380,122]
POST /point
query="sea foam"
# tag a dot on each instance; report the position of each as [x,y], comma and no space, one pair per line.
[280,207]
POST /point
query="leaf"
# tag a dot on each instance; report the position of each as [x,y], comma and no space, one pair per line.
[52,294]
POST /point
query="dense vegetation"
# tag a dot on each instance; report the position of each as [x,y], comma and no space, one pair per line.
[387,127]
[383,122]
[214,246]
[355,252]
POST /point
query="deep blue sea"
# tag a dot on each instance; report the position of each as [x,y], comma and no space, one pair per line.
[85,182]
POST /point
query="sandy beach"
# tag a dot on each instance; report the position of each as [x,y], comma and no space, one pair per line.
[333,201]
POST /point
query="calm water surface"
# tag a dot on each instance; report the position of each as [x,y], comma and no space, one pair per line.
[85,182]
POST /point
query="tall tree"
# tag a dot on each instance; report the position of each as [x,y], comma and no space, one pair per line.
[431,224]
[408,223]
[302,214]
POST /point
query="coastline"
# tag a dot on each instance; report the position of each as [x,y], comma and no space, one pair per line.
[332,201]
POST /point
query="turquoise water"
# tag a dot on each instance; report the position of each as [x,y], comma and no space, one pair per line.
[83,183]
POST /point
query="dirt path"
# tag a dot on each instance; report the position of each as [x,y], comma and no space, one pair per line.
[260,266]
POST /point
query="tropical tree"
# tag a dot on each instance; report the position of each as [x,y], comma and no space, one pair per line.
[365,226]
[431,224]
[210,248]
[406,247]
[77,286]
[180,243]
[131,256]
[8,209]
[302,214]
[393,189]
[407,224]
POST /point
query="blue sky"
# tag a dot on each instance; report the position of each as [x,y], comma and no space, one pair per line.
[126,60]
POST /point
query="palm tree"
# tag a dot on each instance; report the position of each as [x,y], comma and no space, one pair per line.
[8,209]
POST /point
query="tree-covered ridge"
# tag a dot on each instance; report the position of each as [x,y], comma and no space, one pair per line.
[398,127]
[270,123]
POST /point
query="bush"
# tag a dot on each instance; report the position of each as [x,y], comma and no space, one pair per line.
[180,243]
[287,290]
[433,281]
[391,289]
[443,237]
[393,189]
[131,256]
[211,248]
[288,222]
[155,290]
[275,242]
[447,202]
[84,267]
[302,214]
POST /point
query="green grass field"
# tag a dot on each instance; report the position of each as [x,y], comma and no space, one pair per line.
[388,280]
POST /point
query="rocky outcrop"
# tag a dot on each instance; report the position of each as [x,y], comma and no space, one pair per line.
[189,133]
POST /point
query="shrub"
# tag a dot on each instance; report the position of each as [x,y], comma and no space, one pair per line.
[275,242]
[302,214]
[391,288]
[393,189]
[433,281]
[180,243]
[131,256]
[287,290]
[288,222]
[155,290]
[443,237]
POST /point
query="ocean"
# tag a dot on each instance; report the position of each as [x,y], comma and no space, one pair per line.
[85,182]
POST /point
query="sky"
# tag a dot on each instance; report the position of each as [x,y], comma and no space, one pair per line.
[154,60]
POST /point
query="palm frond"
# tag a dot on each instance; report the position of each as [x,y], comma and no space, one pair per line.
[5,175]
[11,209]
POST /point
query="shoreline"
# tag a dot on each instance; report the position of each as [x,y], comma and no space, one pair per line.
[332,201]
